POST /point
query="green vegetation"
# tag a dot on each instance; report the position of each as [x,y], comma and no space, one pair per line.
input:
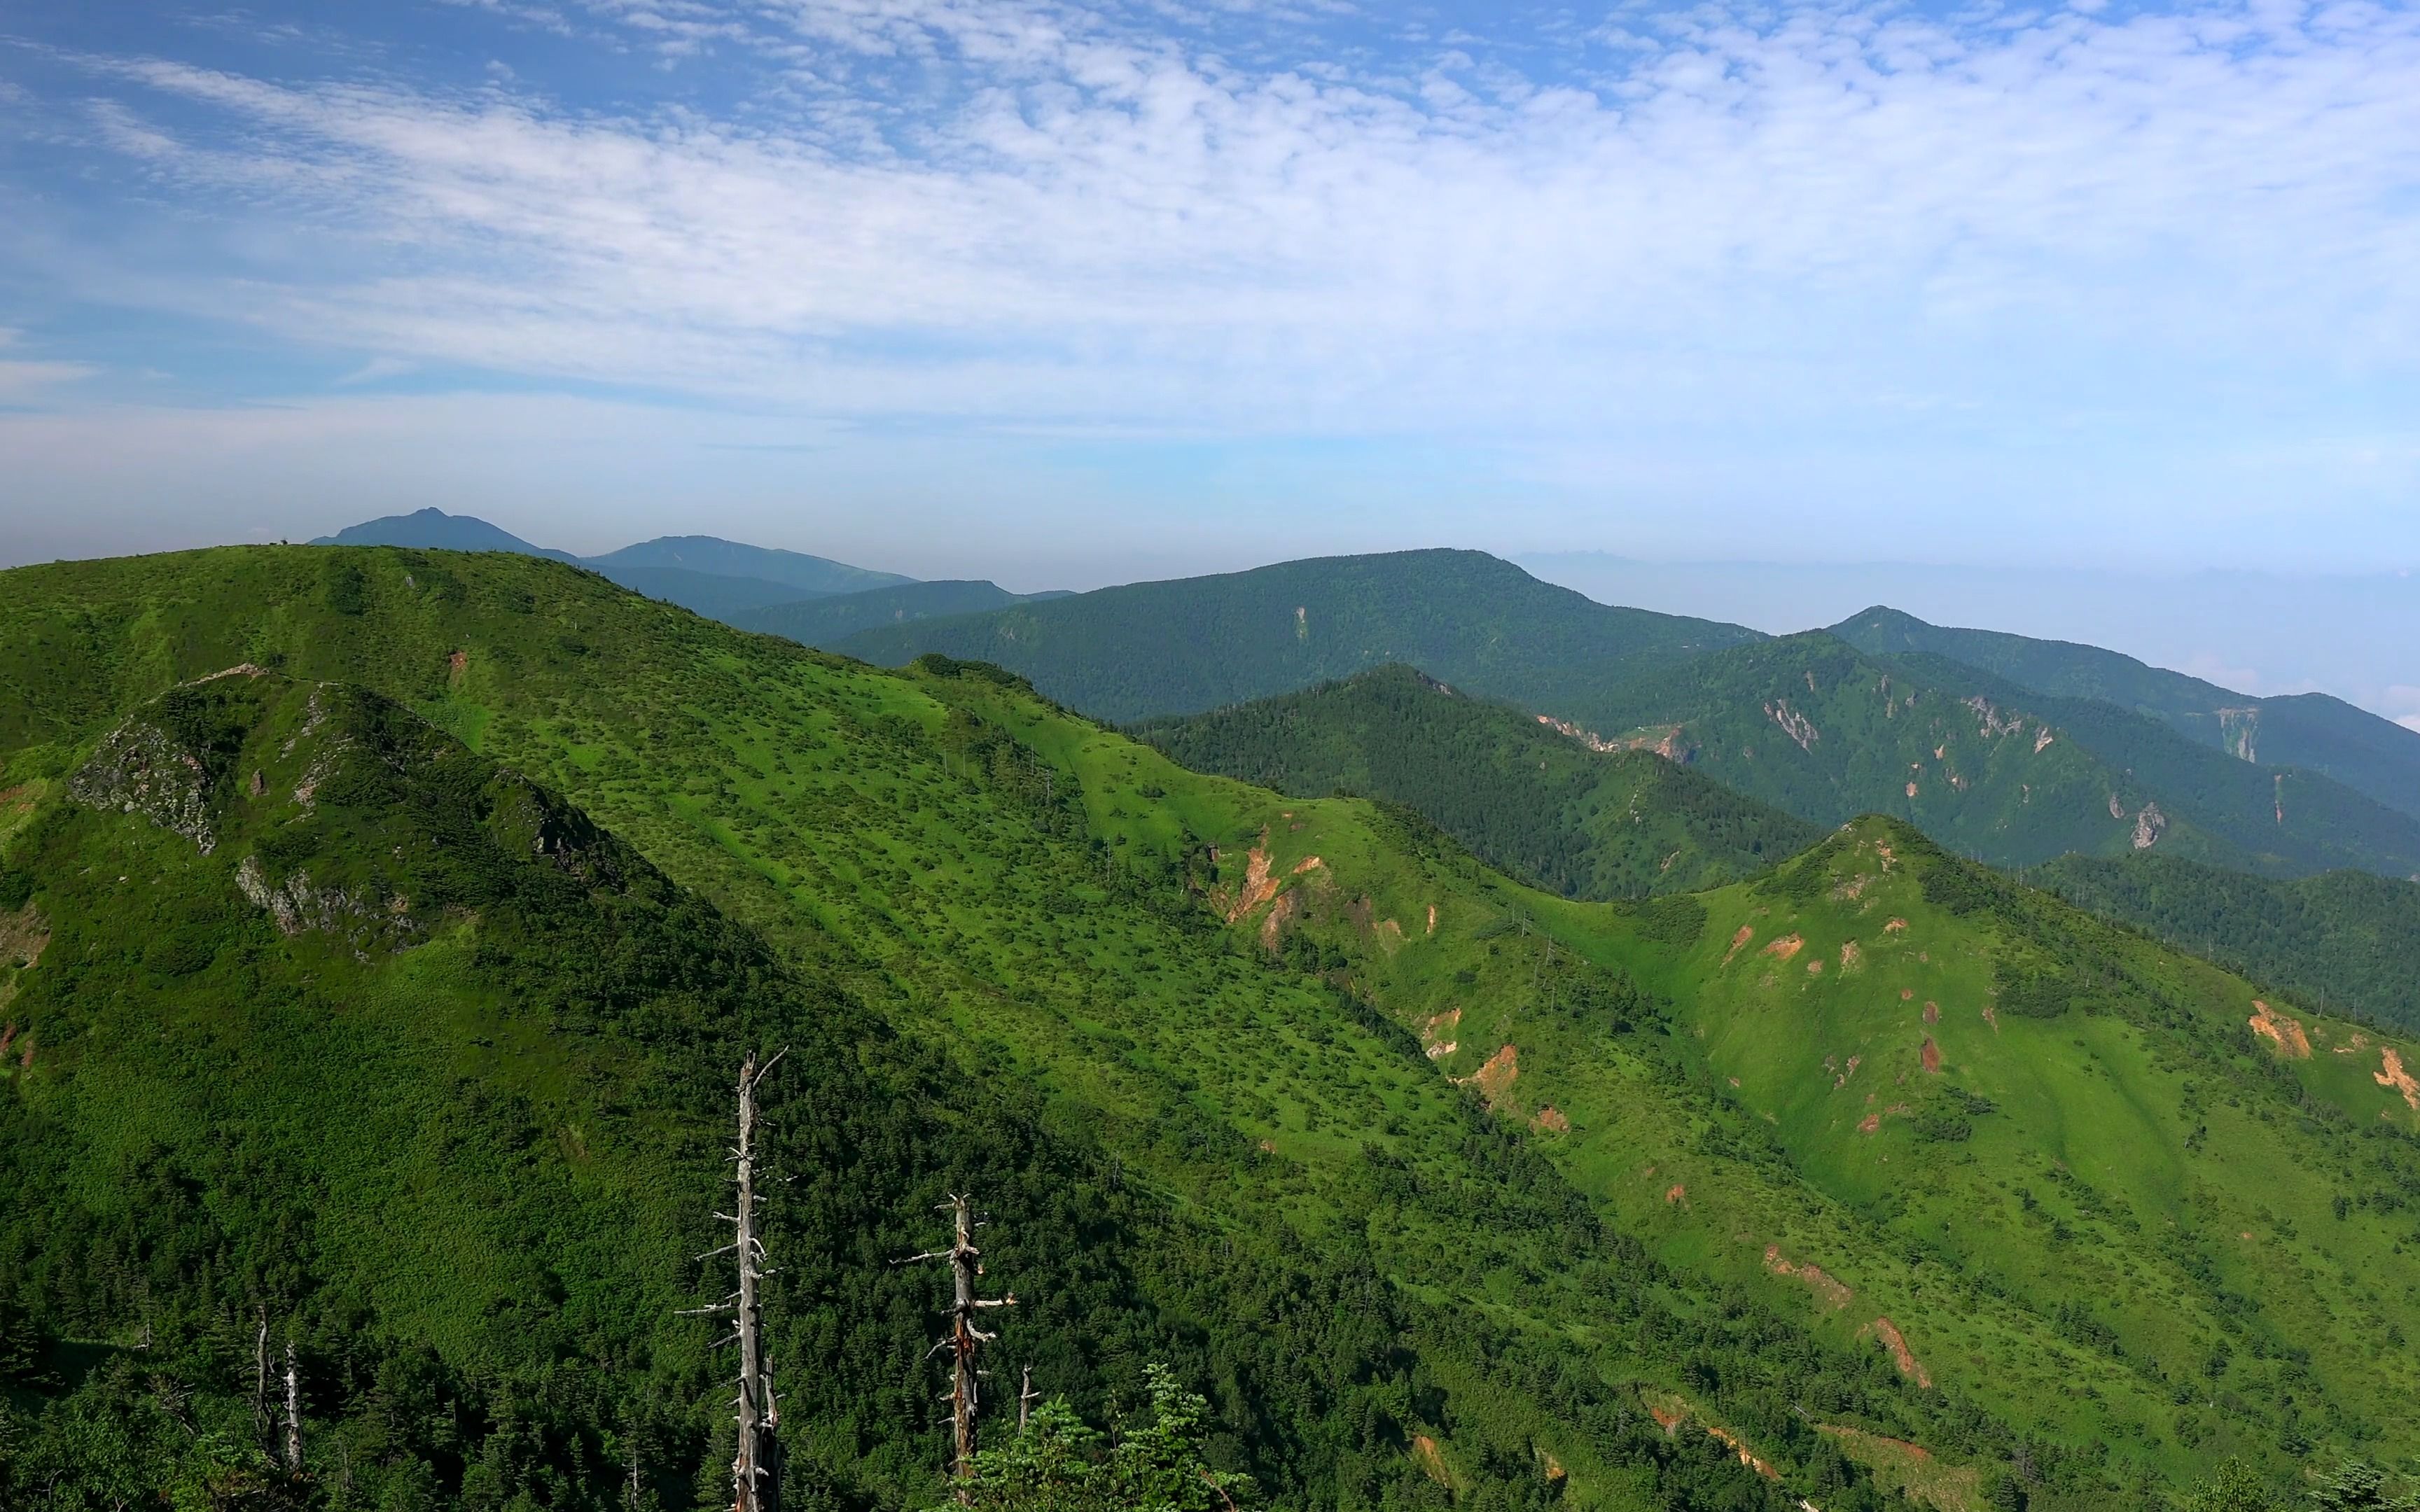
[1813,726]
[1438,1189]
[2311,731]
[824,622]
[1523,796]
[2343,941]
[1179,647]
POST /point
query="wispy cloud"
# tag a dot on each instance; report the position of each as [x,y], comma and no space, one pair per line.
[22,378]
[1813,211]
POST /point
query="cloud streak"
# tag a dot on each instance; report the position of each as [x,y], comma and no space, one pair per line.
[1832,212]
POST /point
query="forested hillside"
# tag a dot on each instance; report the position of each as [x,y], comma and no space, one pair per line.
[824,622]
[1195,643]
[1811,725]
[1874,1173]
[2311,731]
[1539,803]
[2341,940]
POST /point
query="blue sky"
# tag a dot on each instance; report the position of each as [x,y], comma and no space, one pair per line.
[1069,292]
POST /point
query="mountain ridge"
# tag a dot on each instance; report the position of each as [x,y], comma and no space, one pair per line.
[1185,645]
[2372,755]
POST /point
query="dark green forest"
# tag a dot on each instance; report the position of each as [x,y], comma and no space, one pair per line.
[2342,941]
[1180,647]
[1523,796]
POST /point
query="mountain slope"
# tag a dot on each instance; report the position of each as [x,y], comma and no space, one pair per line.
[1195,643]
[2373,756]
[809,576]
[1323,1030]
[334,1019]
[717,597]
[897,838]
[432,529]
[1812,726]
[1523,796]
[824,622]
[2342,940]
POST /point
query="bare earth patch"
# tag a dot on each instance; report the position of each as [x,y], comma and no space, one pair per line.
[1931,1058]
[1550,1120]
[1785,946]
[1494,1078]
[1902,1355]
[2394,1076]
[1932,1011]
[1738,942]
[1829,1288]
[2284,1032]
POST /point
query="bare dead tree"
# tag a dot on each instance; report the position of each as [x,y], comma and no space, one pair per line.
[261,1422]
[964,1339]
[293,1407]
[1026,1397]
[756,1465]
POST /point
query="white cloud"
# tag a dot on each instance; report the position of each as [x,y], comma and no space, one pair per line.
[1117,225]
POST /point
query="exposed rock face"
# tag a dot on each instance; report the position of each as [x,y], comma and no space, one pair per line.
[345,912]
[2239,733]
[1793,724]
[2149,827]
[140,768]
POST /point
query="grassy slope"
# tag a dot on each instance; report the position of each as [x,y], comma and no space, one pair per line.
[835,805]
[1194,644]
[1526,797]
[459,1131]
[2371,755]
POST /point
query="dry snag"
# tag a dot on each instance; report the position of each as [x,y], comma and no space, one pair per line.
[964,1339]
[755,1466]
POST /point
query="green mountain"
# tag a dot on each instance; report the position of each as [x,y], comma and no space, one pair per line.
[1509,1200]
[432,529]
[1179,647]
[2341,939]
[731,601]
[823,622]
[1564,813]
[1811,725]
[1531,800]
[808,577]
[2373,756]
[721,580]
[332,1018]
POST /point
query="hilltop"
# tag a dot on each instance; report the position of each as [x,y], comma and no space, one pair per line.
[2371,755]
[1613,1220]
[721,580]
[1574,817]
[1195,643]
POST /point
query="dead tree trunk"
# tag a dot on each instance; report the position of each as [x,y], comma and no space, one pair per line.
[1025,1399]
[263,1425]
[756,1465]
[293,1409]
[964,1339]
